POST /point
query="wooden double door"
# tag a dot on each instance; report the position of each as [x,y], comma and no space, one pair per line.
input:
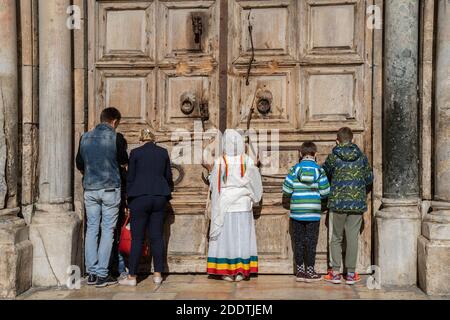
[163,62]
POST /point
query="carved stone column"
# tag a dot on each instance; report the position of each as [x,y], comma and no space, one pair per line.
[398,221]
[55,227]
[15,247]
[9,107]
[434,244]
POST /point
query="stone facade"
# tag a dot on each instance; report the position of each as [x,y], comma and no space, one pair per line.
[41,209]
[434,244]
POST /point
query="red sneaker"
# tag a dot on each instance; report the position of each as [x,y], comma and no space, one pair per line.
[352,278]
[333,277]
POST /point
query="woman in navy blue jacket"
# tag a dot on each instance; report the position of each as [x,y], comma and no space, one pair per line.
[149,187]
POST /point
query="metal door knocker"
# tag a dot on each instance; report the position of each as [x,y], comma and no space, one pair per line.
[188,103]
[180,175]
[264,102]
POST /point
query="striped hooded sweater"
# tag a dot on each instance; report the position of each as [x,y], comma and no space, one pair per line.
[306,184]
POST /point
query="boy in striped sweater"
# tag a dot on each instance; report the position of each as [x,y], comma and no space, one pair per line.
[306,185]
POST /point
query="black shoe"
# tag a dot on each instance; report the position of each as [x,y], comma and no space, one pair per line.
[301,275]
[311,275]
[104,282]
[92,279]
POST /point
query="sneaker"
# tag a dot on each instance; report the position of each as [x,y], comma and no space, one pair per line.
[333,277]
[157,280]
[123,275]
[92,280]
[128,282]
[239,278]
[104,282]
[311,275]
[352,278]
[228,278]
[301,275]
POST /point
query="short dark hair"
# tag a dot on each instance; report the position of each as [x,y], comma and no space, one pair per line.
[345,135]
[110,114]
[308,149]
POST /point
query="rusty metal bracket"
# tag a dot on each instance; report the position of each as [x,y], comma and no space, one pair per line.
[252,58]
[249,121]
[204,113]
[205,179]
[197,29]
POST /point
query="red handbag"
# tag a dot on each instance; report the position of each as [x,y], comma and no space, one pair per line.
[125,240]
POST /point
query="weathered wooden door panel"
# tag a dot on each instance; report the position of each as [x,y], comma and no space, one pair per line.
[157,61]
[125,32]
[331,97]
[274,30]
[332,31]
[187,30]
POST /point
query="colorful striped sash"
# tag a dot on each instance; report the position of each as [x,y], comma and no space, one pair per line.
[243,166]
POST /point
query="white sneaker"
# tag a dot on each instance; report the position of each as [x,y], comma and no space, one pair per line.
[239,278]
[123,275]
[128,282]
[228,278]
[157,280]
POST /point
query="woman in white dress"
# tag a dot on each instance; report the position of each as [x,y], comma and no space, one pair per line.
[236,185]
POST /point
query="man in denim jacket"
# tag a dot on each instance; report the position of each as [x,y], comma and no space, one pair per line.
[101,154]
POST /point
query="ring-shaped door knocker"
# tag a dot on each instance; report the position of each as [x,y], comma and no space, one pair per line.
[264,102]
[181,173]
[188,103]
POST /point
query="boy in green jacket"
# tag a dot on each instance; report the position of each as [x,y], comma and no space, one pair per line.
[350,175]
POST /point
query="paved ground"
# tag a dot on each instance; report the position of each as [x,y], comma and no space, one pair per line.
[193,287]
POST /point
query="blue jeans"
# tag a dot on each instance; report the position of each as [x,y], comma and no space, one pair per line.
[121,267]
[102,211]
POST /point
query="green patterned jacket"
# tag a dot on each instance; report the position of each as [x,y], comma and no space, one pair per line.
[350,176]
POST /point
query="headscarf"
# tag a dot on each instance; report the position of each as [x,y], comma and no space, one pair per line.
[233,143]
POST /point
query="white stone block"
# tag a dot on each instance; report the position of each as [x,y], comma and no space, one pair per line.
[434,266]
[55,240]
[397,230]
[16,257]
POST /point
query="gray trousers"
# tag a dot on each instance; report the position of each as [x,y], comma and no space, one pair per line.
[351,225]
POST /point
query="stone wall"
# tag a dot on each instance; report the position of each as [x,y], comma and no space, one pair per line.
[434,244]
[15,247]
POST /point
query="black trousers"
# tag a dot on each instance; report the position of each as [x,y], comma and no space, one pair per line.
[305,236]
[147,214]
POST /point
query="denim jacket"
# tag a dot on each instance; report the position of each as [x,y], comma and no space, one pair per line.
[97,159]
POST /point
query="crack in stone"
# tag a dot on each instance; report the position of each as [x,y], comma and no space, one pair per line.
[47,258]
[3,147]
